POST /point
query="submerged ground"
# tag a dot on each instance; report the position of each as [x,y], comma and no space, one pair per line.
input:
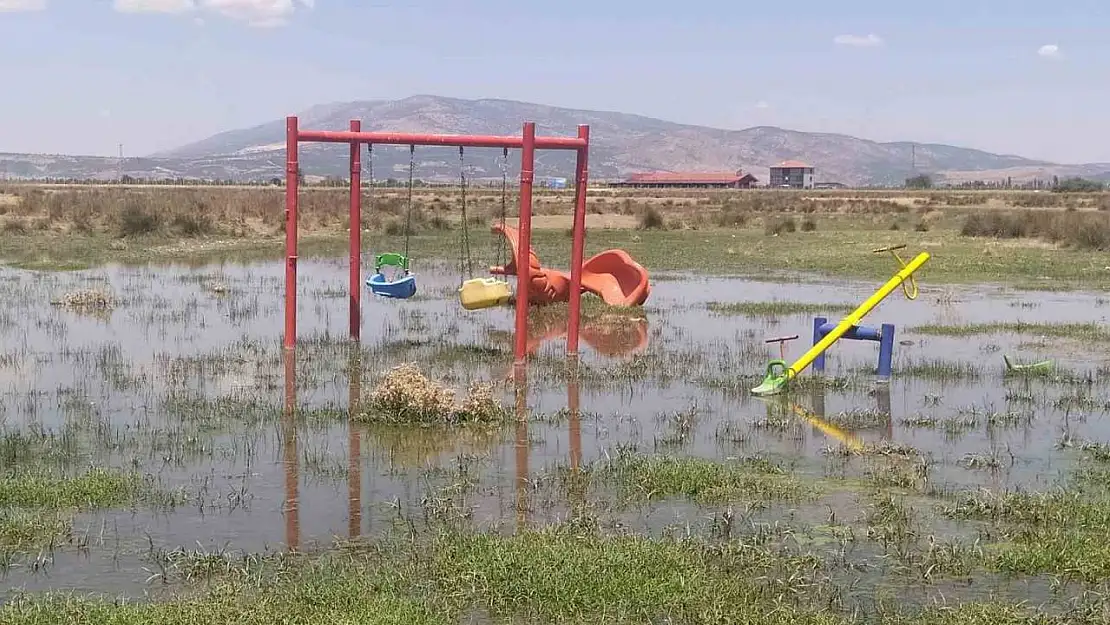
[158,445]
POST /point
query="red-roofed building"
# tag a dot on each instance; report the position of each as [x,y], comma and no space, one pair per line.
[693,180]
[792,174]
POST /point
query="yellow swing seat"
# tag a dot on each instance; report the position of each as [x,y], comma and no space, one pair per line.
[478,293]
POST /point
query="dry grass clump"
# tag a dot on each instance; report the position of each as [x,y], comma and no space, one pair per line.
[774,226]
[650,218]
[1082,230]
[87,299]
[216,211]
[406,395]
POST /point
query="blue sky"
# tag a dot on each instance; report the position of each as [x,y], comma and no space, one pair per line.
[82,76]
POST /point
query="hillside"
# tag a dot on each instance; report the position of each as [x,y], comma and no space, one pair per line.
[622,144]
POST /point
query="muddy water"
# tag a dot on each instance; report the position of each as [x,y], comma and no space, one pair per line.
[257,480]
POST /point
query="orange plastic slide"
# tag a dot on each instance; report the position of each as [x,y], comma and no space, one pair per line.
[612,275]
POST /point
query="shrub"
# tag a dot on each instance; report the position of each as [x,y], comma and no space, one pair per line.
[192,225]
[997,224]
[1080,229]
[779,225]
[731,218]
[135,219]
[15,226]
[394,227]
[650,218]
[808,224]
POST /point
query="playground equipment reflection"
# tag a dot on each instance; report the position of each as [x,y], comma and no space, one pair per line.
[521,447]
[289,455]
[881,393]
[354,443]
[817,417]
[576,491]
[610,335]
[845,437]
[422,455]
[848,437]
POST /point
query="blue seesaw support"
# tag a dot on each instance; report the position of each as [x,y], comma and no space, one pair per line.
[884,336]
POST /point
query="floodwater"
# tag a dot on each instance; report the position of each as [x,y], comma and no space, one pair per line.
[185,380]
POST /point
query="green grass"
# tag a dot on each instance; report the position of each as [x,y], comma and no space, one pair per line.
[555,576]
[777,308]
[98,488]
[704,481]
[564,574]
[939,370]
[36,504]
[841,248]
[1061,532]
[1078,331]
[21,529]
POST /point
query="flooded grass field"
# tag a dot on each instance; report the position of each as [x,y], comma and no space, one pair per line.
[158,444]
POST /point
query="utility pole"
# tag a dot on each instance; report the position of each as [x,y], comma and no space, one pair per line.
[119,166]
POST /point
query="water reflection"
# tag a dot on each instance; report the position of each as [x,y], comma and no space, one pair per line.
[574,422]
[174,337]
[576,494]
[881,395]
[354,443]
[612,335]
[820,423]
[290,507]
[521,444]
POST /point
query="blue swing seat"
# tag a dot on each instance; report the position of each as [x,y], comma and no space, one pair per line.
[400,288]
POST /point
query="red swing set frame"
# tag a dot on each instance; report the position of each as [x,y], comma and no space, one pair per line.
[527,142]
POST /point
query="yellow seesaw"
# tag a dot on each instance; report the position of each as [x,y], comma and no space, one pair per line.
[779,375]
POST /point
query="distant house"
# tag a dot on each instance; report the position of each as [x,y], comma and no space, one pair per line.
[689,180]
[792,174]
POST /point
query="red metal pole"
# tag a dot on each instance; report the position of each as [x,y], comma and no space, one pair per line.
[578,244]
[355,225]
[292,171]
[524,241]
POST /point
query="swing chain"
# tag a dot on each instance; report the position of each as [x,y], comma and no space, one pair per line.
[464,260]
[502,245]
[408,215]
[369,189]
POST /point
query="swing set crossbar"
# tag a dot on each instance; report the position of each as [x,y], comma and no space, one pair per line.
[466,141]
[527,142]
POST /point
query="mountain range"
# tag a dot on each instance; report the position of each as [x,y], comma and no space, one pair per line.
[621,144]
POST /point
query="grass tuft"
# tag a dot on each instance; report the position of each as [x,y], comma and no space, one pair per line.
[704,481]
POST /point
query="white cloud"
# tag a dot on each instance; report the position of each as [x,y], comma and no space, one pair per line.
[154,6]
[1050,51]
[14,6]
[762,104]
[259,13]
[859,41]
